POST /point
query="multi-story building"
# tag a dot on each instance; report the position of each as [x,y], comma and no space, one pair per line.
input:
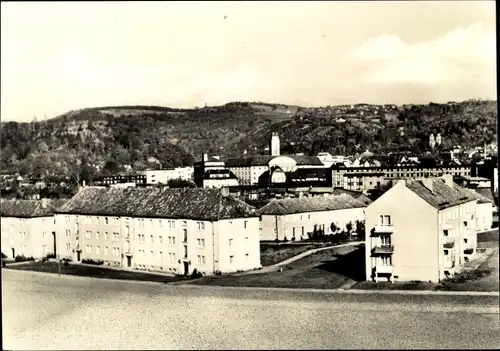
[397,172]
[362,182]
[420,230]
[219,178]
[213,163]
[121,179]
[28,227]
[294,218]
[163,176]
[172,230]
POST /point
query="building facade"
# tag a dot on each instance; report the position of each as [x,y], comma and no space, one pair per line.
[295,218]
[397,172]
[169,230]
[420,230]
[28,227]
[163,176]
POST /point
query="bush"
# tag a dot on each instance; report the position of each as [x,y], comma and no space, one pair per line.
[22,258]
[285,240]
[94,262]
[293,238]
[4,255]
[196,274]
[218,272]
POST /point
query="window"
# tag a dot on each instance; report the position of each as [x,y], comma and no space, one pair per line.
[245,224]
[445,232]
[117,221]
[141,223]
[201,225]
[67,219]
[171,257]
[247,256]
[309,216]
[230,242]
[150,222]
[106,236]
[68,246]
[106,220]
[185,235]
[116,251]
[184,223]
[152,253]
[385,240]
[231,259]
[200,259]
[97,250]
[106,250]
[68,232]
[160,254]
[465,241]
[465,223]
[385,220]
[185,251]
[446,252]
[171,224]
[293,232]
[97,235]
[200,242]
[88,234]
[386,261]
[160,238]
[116,236]
[151,238]
[160,223]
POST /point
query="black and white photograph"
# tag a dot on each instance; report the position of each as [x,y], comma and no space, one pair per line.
[214,175]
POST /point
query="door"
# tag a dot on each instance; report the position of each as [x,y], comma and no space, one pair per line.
[186,268]
[78,253]
[129,261]
[13,253]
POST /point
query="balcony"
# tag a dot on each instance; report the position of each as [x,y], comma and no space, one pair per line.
[384,269]
[449,243]
[383,250]
[449,263]
[382,229]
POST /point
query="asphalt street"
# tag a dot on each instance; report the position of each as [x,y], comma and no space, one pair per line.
[42,311]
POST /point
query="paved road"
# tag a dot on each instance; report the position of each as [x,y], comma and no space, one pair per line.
[50,312]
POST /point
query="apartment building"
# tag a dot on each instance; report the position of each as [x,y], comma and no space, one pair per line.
[28,227]
[420,230]
[294,218]
[170,230]
[163,176]
[340,174]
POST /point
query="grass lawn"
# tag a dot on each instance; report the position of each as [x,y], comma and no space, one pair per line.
[94,272]
[327,269]
[270,253]
[484,278]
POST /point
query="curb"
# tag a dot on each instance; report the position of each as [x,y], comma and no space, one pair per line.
[311,290]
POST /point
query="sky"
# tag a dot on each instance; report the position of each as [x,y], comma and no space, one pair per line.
[58,56]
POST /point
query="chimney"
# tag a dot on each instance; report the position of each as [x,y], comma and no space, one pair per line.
[428,183]
[44,203]
[225,191]
[448,179]
[205,157]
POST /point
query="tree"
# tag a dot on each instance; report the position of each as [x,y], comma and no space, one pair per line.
[360,229]
[180,183]
[348,227]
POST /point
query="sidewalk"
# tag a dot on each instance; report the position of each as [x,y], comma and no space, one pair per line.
[276,266]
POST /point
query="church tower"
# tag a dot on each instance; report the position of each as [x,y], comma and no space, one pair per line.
[275,145]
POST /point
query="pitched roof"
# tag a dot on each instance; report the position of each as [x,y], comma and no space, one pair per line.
[442,196]
[29,208]
[263,160]
[183,203]
[310,204]
[486,193]
[364,199]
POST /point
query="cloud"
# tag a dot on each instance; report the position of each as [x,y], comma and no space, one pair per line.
[462,52]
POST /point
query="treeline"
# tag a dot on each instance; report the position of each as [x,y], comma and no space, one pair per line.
[125,138]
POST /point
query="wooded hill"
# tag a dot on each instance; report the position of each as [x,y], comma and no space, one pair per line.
[152,136]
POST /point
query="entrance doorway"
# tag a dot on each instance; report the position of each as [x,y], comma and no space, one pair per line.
[55,245]
[78,254]
[129,261]
[186,268]
[13,253]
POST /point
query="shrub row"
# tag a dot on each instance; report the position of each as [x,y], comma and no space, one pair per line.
[95,262]
[22,258]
